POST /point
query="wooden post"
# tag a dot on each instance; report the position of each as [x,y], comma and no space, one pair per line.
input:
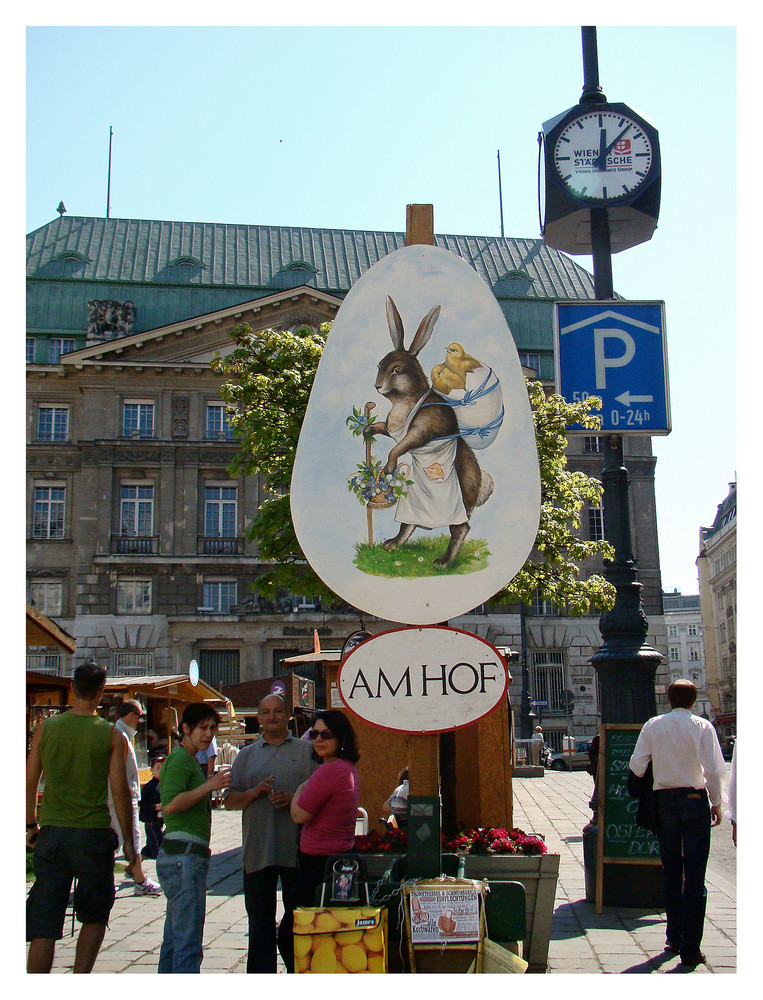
[369,508]
[423,751]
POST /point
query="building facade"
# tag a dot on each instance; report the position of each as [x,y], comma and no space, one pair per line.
[686,653]
[136,534]
[717,568]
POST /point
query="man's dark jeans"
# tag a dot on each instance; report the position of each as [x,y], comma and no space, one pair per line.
[684,849]
[260,901]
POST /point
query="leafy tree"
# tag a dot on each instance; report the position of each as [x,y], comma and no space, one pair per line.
[269,375]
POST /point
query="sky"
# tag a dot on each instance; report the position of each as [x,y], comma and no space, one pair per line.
[343,126]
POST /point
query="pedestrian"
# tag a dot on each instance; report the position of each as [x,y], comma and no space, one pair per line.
[536,746]
[80,754]
[150,810]
[732,794]
[183,858]
[396,806]
[207,758]
[129,714]
[689,770]
[264,777]
[326,806]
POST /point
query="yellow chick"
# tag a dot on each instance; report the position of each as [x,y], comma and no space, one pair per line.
[458,361]
[445,381]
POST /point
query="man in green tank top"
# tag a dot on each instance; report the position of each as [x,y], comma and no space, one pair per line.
[80,754]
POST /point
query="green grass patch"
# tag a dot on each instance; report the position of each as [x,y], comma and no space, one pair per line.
[416,558]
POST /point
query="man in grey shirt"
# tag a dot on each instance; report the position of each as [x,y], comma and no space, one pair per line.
[264,777]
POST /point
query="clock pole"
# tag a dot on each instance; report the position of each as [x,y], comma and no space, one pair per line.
[625,664]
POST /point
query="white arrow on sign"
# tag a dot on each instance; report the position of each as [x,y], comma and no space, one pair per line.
[626,399]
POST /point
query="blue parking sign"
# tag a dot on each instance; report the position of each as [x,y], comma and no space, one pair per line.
[617,351]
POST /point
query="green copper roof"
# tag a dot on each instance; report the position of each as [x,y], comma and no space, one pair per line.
[176,270]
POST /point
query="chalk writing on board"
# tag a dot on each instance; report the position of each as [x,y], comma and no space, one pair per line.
[623,838]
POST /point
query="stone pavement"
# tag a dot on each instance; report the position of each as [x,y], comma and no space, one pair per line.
[582,941]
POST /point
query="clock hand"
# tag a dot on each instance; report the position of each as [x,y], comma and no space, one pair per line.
[601,159]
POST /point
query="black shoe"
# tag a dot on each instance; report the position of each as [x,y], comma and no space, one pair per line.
[695,958]
[672,946]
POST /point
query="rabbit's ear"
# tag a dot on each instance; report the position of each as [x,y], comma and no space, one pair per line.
[424,332]
[395,325]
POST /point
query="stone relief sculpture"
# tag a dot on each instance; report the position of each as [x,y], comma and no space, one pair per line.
[108,319]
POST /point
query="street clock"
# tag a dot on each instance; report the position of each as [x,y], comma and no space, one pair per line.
[599,156]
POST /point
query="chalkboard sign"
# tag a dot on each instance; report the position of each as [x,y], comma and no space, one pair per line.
[621,840]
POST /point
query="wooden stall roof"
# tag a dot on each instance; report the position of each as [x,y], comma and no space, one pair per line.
[325,656]
[43,631]
[177,687]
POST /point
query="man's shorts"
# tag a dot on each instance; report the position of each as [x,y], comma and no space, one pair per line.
[62,854]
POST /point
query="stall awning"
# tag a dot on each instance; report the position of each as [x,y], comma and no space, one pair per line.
[43,631]
[175,687]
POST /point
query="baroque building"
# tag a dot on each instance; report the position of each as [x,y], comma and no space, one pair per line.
[136,532]
[717,568]
[686,653]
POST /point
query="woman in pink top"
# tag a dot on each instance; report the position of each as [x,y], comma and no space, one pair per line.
[326,805]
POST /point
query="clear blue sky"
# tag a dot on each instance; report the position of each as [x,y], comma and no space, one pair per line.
[342,127]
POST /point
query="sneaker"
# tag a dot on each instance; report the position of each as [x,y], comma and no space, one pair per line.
[147,888]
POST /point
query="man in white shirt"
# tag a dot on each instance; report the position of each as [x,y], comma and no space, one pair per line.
[689,772]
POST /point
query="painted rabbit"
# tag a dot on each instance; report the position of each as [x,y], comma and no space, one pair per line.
[447,480]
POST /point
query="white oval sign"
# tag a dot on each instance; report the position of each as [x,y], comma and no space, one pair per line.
[193,673]
[423,680]
[415,493]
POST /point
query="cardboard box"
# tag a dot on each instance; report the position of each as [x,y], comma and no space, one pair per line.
[338,939]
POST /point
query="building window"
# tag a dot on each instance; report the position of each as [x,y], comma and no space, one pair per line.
[675,653]
[53,423]
[30,350]
[693,653]
[219,667]
[133,597]
[530,360]
[596,524]
[131,663]
[220,596]
[540,606]
[593,444]
[548,682]
[220,507]
[46,596]
[49,510]
[58,346]
[218,425]
[672,631]
[136,512]
[692,630]
[138,419]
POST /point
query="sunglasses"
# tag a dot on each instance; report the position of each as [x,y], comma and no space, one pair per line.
[320,734]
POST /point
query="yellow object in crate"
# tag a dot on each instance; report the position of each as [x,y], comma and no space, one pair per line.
[340,939]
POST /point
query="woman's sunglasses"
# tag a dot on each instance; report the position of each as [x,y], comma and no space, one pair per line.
[320,734]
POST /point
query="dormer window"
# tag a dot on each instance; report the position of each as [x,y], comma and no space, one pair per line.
[513,285]
[296,273]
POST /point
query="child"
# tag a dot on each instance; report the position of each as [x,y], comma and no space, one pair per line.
[150,811]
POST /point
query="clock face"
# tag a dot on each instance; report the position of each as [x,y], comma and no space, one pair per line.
[603,155]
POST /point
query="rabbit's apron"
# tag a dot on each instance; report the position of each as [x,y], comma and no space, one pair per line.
[434,500]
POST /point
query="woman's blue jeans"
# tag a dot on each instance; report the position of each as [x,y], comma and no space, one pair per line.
[184,881]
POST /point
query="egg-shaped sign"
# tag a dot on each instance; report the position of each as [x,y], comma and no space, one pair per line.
[415,493]
[423,680]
